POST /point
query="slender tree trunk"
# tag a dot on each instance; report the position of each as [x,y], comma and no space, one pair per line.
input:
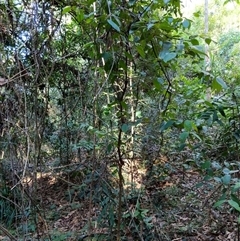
[131,155]
[207,61]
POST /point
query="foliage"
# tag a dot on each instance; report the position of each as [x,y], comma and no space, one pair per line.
[90,89]
[8,210]
[227,57]
[219,20]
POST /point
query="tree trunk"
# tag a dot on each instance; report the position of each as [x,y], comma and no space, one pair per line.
[207,61]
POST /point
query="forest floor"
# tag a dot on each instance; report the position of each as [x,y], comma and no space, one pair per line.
[177,207]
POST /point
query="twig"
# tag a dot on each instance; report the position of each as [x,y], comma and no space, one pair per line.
[21,73]
[210,195]
[5,231]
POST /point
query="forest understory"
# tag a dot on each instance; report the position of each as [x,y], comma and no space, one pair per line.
[177,205]
[119,120]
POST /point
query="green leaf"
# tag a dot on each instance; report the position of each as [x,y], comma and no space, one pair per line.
[80,15]
[234,205]
[137,205]
[166,125]
[215,116]
[236,135]
[181,146]
[131,2]
[226,170]
[125,128]
[196,135]
[221,82]
[108,57]
[221,110]
[197,14]
[140,50]
[226,179]
[136,213]
[114,25]
[158,83]
[66,9]
[109,148]
[166,46]
[188,125]
[168,56]
[216,165]
[124,105]
[138,114]
[227,1]
[236,187]
[160,80]
[126,215]
[218,179]
[194,41]
[208,41]
[122,65]
[148,221]
[219,203]
[206,165]
[235,199]
[183,136]
[144,211]
[196,50]
[200,184]
[170,19]
[180,47]
[218,84]
[150,25]
[186,23]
